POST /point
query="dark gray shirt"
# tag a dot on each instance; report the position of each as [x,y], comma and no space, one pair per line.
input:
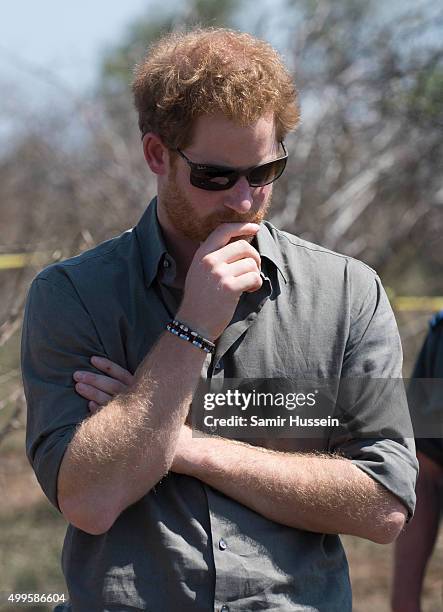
[186,546]
[427,397]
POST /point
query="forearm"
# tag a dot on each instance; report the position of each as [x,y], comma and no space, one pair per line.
[317,493]
[117,455]
[414,546]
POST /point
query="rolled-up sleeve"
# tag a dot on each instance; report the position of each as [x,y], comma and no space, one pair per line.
[58,338]
[381,443]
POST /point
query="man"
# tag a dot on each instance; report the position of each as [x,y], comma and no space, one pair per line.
[160,519]
[414,547]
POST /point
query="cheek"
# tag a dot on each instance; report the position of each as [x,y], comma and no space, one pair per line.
[262,195]
[202,201]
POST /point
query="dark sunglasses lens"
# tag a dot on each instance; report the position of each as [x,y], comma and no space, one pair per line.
[267,173]
[213,181]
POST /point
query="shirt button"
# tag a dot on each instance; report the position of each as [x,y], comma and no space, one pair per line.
[222,544]
[165,263]
[218,366]
[224,608]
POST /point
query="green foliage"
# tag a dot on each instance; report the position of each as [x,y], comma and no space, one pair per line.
[417,94]
[426,98]
[213,12]
[118,61]
[30,540]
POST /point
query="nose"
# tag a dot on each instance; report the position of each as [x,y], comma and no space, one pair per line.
[239,197]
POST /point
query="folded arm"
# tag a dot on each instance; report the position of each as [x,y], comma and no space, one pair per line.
[321,493]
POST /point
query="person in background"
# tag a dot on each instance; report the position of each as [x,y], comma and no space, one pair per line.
[415,544]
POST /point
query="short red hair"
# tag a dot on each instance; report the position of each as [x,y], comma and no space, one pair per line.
[209,71]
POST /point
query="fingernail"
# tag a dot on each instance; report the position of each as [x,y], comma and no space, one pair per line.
[95,359]
[78,376]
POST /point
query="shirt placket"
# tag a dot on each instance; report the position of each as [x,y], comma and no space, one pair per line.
[230,570]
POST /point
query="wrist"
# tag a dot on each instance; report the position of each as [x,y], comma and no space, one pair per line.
[188,334]
[188,319]
[207,452]
[188,457]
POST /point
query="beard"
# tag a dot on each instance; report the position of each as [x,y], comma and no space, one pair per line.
[182,215]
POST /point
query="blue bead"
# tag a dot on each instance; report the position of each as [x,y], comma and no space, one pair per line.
[436,319]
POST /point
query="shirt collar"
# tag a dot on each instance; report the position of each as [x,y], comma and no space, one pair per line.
[152,245]
[267,247]
[151,242]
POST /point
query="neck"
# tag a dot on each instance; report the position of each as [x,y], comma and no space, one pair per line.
[181,248]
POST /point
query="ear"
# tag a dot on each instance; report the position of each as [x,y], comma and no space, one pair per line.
[156,154]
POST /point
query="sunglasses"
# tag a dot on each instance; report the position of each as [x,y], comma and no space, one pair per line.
[217,178]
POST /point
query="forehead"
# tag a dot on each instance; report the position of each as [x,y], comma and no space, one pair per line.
[219,140]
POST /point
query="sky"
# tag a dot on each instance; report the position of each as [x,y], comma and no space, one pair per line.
[44,43]
[69,37]
[50,48]
[66,37]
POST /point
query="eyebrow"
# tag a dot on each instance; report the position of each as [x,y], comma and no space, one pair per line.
[234,168]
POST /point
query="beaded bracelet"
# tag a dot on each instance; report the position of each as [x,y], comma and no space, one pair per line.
[183,331]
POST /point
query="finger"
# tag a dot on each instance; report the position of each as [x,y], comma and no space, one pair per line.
[251,281]
[100,382]
[223,234]
[91,393]
[242,266]
[94,407]
[112,369]
[238,250]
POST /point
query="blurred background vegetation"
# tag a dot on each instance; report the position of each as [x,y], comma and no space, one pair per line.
[363,178]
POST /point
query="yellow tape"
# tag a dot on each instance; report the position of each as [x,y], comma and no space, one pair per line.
[11,261]
[413,303]
[400,303]
[8,262]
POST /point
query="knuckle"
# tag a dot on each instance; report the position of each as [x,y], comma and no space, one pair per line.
[252,264]
[208,261]
[113,388]
[102,398]
[254,253]
[257,280]
[219,272]
[251,252]
[244,244]
[118,388]
[226,284]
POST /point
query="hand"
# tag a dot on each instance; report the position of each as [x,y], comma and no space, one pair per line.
[220,272]
[98,389]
